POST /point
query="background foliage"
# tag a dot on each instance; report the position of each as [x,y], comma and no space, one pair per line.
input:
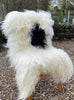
[58,8]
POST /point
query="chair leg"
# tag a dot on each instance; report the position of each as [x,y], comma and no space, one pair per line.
[60,87]
[44,76]
[59,84]
[41,77]
[30,98]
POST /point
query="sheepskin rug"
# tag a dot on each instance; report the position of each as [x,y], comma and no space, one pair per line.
[31,53]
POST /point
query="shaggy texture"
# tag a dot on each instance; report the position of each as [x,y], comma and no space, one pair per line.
[31,61]
[46,89]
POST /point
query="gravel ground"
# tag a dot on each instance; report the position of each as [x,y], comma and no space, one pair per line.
[46,89]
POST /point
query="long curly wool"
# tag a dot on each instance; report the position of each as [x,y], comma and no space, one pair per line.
[26,54]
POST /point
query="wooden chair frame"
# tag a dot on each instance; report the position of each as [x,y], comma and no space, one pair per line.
[44,76]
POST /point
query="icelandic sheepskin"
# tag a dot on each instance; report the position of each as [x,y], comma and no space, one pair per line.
[31,53]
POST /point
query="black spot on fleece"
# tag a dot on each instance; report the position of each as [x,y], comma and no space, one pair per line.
[38,37]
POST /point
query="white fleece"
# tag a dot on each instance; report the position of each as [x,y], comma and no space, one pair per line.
[30,62]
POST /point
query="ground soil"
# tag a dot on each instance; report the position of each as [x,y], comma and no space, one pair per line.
[46,89]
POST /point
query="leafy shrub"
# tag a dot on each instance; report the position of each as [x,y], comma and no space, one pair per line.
[63,31]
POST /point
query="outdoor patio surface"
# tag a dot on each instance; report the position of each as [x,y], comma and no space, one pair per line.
[46,89]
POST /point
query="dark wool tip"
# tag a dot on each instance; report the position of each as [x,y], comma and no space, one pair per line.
[38,37]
